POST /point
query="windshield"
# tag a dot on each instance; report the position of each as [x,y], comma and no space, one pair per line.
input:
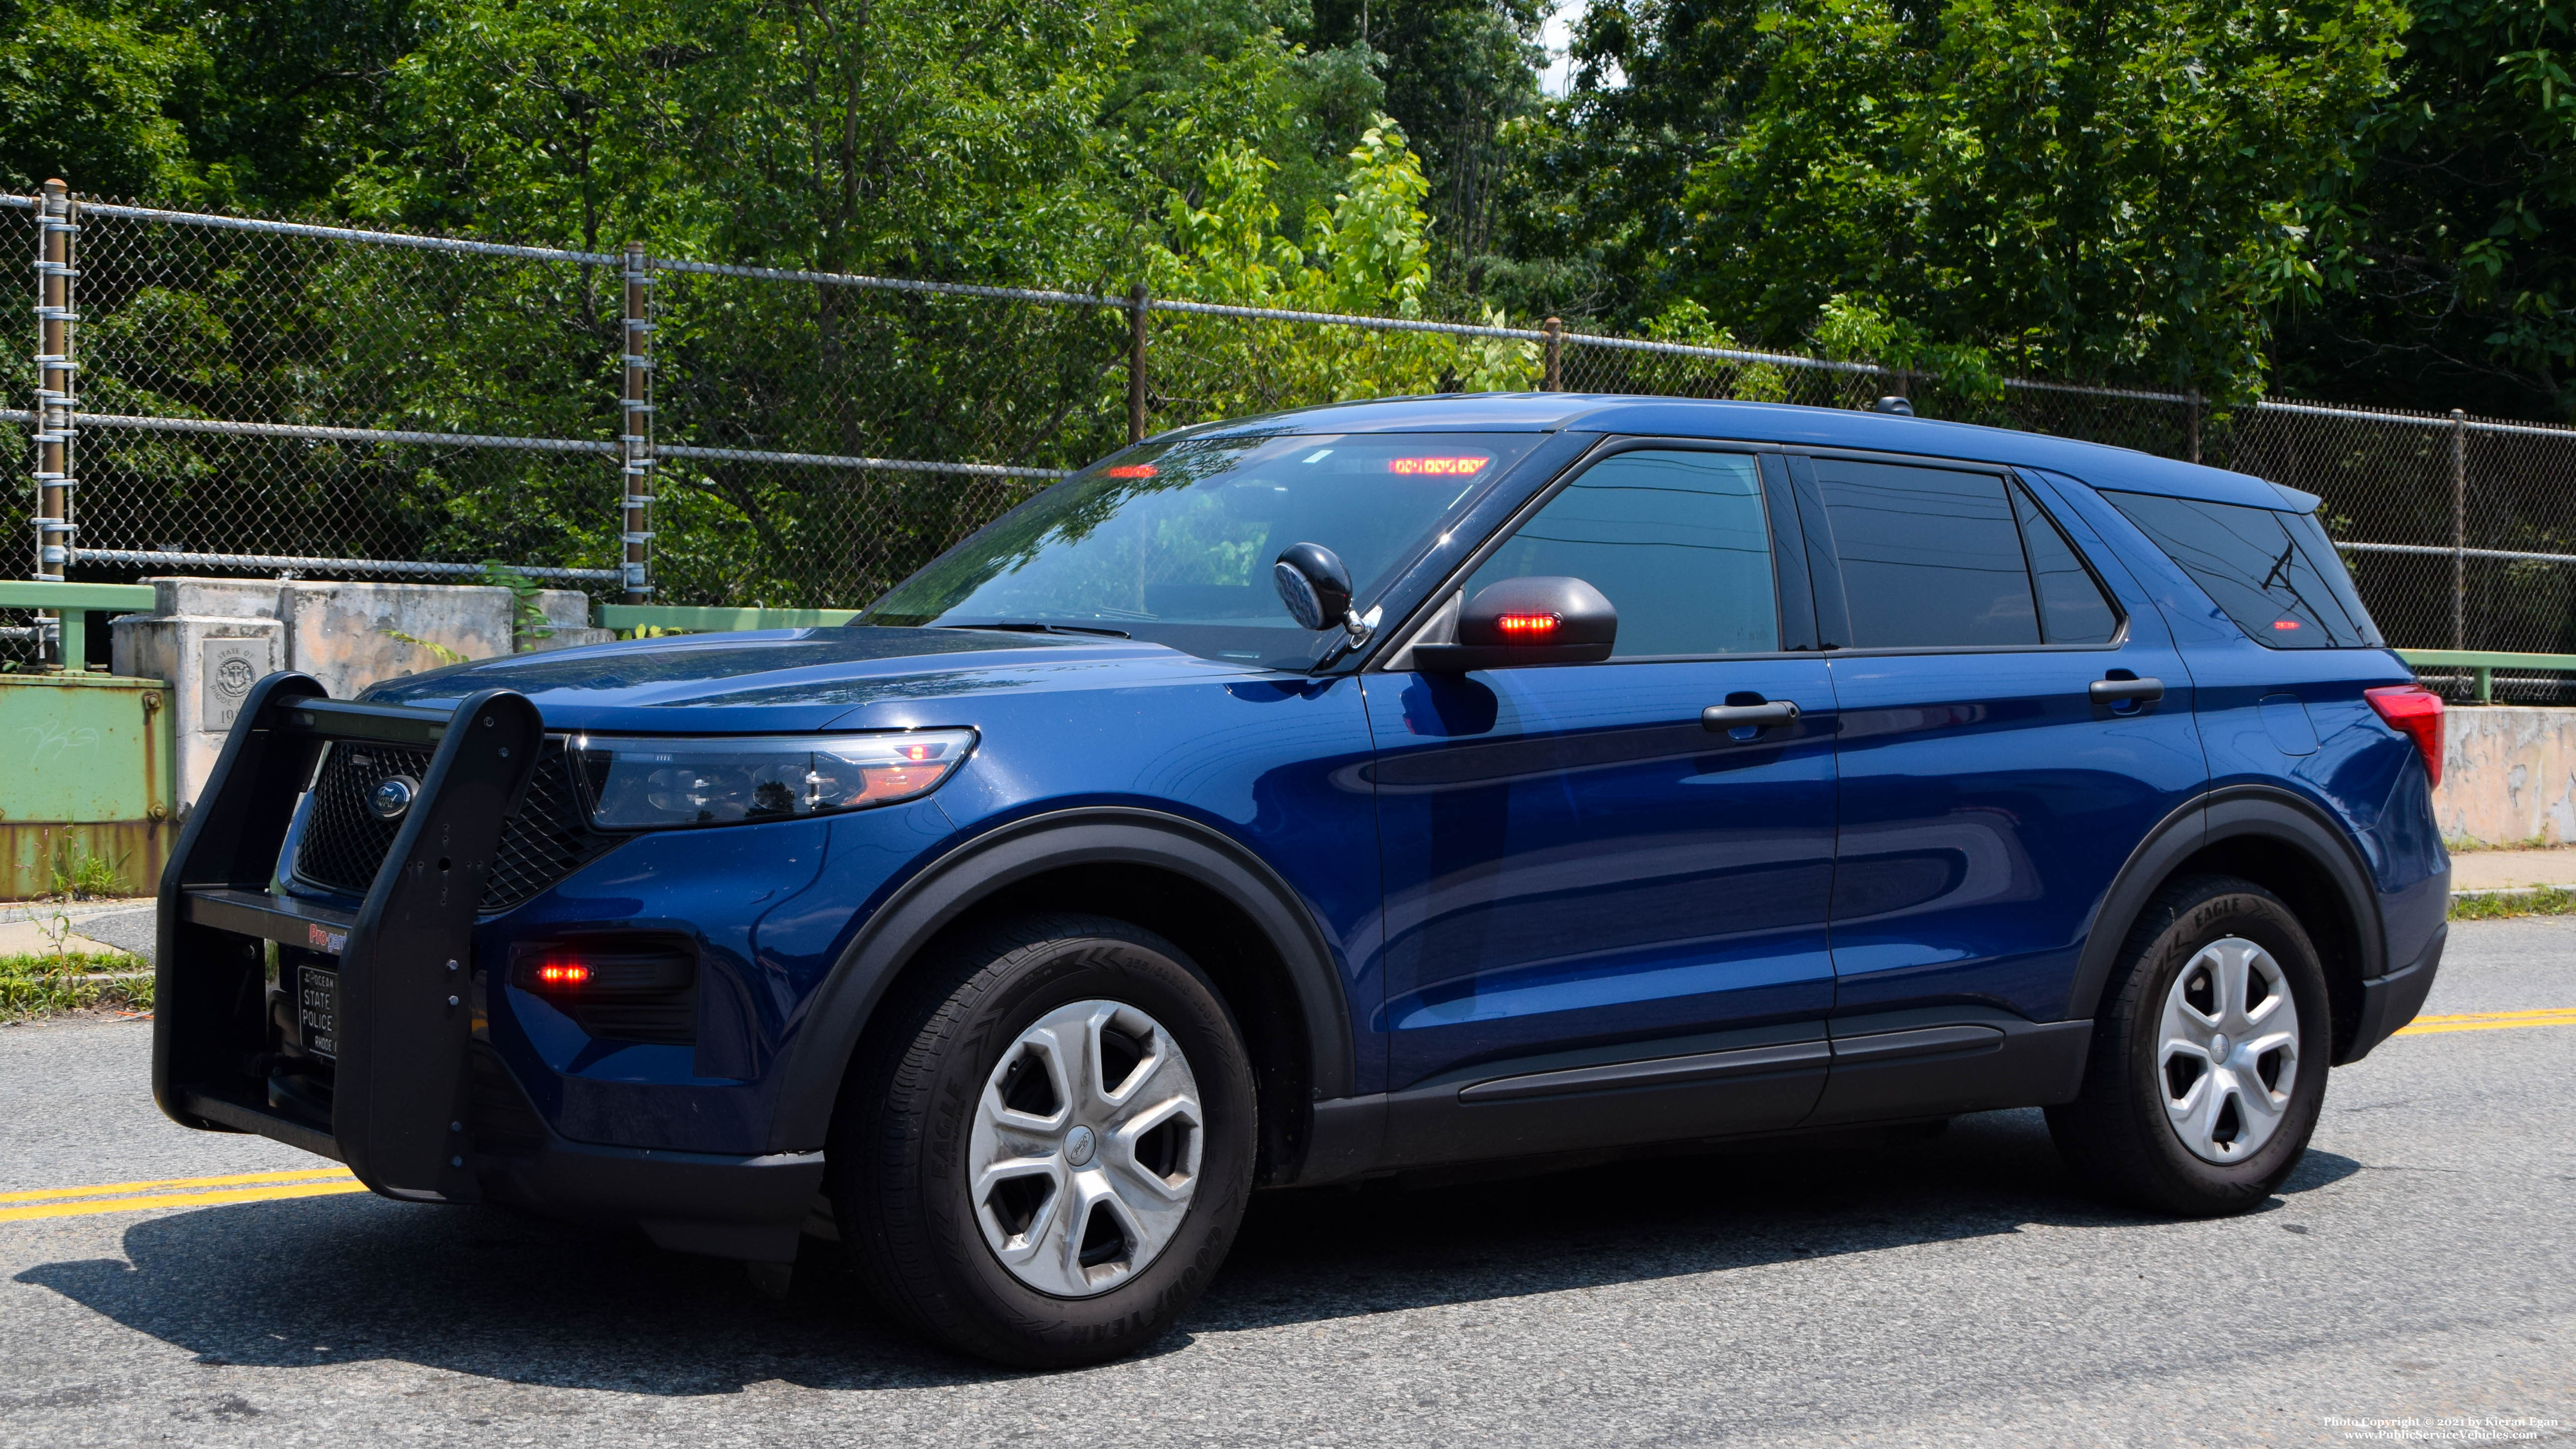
[1174,543]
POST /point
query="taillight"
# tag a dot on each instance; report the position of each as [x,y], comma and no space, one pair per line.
[2415,712]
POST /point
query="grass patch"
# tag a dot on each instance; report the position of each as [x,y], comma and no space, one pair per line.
[2497,905]
[45,984]
[80,876]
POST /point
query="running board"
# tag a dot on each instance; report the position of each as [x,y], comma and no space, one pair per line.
[1890,1067]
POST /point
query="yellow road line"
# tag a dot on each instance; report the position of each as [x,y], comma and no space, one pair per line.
[237,1179]
[2490,1021]
[180,1199]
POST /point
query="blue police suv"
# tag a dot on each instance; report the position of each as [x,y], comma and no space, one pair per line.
[1333,794]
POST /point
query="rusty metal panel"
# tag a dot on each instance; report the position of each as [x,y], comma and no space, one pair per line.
[31,855]
[85,774]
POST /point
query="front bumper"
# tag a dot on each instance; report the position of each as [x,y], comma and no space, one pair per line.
[411,1098]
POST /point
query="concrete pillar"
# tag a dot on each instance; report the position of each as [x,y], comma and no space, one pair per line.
[211,661]
[212,638]
[567,614]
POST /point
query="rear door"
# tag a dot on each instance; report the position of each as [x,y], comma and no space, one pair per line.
[1579,874]
[1990,791]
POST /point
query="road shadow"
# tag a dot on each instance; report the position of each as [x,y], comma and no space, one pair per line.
[484,1291]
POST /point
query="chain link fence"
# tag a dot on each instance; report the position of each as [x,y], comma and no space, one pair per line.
[259,396]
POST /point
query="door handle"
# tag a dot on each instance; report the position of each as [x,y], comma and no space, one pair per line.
[2113,691]
[1719,718]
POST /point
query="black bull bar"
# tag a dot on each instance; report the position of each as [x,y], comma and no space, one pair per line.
[398,1097]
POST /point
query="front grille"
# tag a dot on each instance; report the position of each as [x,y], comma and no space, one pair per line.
[344,843]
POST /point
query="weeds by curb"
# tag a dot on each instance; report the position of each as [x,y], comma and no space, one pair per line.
[2499,905]
[46,985]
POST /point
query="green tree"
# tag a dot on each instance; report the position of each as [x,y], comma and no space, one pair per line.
[1367,254]
[1201,74]
[86,91]
[1456,74]
[2448,270]
[2089,190]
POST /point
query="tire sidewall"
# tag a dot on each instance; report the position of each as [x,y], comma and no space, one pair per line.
[1136,971]
[2268,923]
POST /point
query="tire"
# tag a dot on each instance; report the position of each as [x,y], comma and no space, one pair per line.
[983,1073]
[2151,1127]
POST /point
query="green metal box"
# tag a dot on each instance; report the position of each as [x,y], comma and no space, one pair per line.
[85,774]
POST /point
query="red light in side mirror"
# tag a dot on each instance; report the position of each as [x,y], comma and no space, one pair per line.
[2415,712]
[1527,626]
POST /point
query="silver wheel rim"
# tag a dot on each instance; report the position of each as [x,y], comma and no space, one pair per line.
[2227,1059]
[1085,1153]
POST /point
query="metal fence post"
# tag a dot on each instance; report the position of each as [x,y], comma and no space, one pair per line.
[2460,530]
[635,402]
[2195,427]
[56,400]
[1555,378]
[1136,314]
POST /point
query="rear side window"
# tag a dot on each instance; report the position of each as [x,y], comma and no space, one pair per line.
[2072,609]
[2274,573]
[1677,541]
[1930,556]
[1936,558]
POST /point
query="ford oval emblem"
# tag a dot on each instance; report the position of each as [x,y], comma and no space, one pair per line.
[392,797]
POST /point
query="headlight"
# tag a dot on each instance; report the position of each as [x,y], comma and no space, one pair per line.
[649,784]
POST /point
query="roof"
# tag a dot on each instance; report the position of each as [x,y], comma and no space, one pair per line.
[2097,464]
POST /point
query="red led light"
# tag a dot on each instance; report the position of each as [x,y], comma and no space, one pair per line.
[559,974]
[2285,623]
[1129,470]
[1527,624]
[916,752]
[1437,467]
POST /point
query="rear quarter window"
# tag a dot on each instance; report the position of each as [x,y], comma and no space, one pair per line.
[2274,573]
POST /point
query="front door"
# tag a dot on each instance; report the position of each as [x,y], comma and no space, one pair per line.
[1579,872]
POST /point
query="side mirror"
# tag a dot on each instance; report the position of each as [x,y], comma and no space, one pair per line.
[1317,590]
[1538,620]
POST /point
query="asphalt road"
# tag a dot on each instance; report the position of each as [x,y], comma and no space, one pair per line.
[2421,1264]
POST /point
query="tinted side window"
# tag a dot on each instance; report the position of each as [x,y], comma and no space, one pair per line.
[2071,607]
[1930,556]
[2278,580]
[1678,541]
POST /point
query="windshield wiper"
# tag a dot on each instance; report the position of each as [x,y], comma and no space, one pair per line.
[1025,626]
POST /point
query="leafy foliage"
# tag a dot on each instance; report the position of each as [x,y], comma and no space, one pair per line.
[2078,190]
[1368,254]
[2446,276]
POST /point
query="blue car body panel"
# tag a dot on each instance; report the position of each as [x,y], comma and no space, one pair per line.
[1572,861]
[1505,864]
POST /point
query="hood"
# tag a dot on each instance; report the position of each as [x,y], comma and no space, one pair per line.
[777,680]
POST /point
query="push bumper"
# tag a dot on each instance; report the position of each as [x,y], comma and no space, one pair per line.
[402,1085]
[343,1032]
[2389,1002]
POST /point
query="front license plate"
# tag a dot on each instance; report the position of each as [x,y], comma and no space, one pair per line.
[317,1010]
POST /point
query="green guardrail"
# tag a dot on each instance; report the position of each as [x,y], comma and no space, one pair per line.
[687,619]
[2483,664]
[75,603]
